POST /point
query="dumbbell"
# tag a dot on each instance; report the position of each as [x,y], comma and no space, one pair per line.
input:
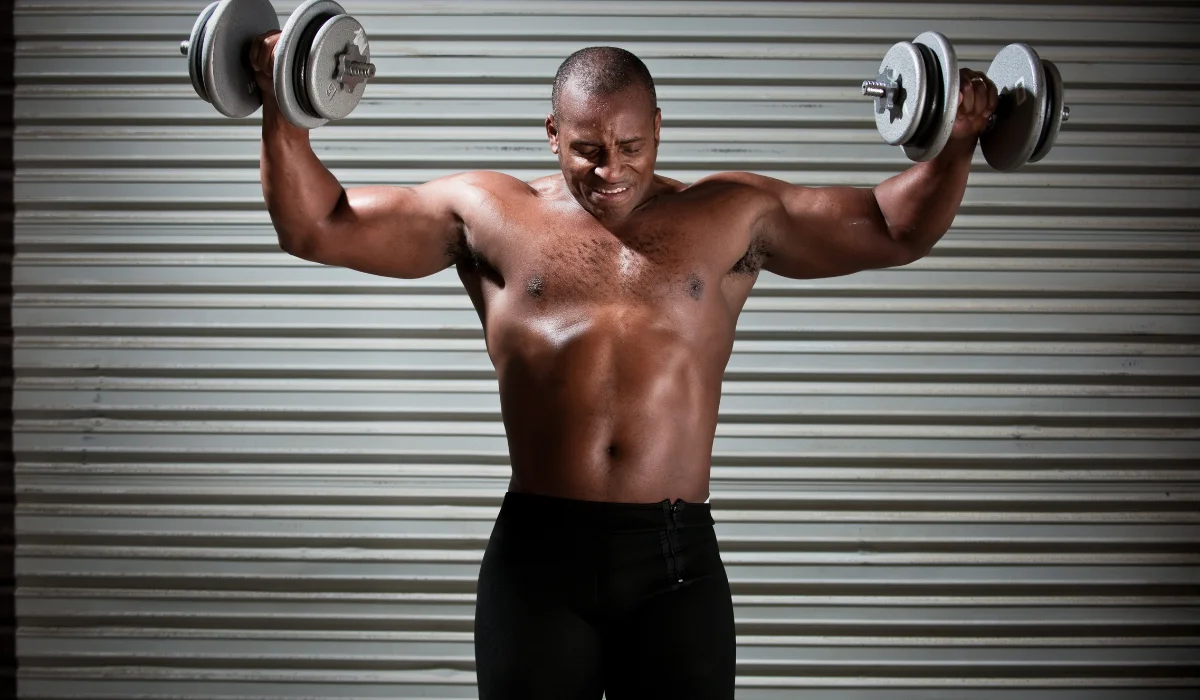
[916,100]
[322,60]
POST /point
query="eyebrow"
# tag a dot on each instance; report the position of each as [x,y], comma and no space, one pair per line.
[623,142]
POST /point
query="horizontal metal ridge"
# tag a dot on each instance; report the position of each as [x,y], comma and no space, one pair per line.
[1116,12]
[852,678]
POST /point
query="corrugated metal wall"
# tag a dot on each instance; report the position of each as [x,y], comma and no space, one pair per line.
[8,623]
[245,476]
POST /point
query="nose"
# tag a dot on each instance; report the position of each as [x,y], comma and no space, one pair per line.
[610,169]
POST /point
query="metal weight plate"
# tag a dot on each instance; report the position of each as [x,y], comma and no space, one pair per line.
[291,60]
[1056,111]
[1021,81]
[195,49]
[903,67]
[329,97]
[225,60]
[944,86]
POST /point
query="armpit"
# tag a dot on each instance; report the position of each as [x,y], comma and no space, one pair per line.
[469,259]
[756,256]
[459,252]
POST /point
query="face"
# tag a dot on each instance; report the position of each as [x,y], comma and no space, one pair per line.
[606,146]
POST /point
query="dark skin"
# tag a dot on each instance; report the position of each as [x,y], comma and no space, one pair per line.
[609,295]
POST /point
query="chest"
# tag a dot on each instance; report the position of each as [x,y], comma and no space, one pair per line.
[548,257]
[648,263]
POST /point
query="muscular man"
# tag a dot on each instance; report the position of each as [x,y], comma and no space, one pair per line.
[608,297]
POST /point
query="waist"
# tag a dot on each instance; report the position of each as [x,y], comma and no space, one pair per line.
[602,516]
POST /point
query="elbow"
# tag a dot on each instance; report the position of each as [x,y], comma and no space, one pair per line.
[910,253]
[298,244]
[900,241]
[905,251]
[300,234]
[908,241]
[915,251]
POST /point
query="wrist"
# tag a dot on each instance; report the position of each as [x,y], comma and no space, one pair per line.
[960,146]
[958,152]
[278,129]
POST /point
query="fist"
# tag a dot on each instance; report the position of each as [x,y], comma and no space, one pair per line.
[976,103]
[262,62]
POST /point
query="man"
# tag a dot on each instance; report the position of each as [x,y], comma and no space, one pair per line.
[608,297]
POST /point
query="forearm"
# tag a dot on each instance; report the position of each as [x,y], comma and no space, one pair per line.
[920,204]
[300,192]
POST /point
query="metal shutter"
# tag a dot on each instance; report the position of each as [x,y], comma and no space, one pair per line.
[244,476]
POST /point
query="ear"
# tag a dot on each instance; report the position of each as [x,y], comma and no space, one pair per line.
[552,133]
[657,124]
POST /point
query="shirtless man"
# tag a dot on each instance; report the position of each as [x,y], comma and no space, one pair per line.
[608,297]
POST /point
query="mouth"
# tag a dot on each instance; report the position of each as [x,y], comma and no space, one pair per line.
[611,193]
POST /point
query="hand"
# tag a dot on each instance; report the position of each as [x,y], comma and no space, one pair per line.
[262,61]
[977,100]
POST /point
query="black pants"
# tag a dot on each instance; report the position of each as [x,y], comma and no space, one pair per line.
[578,598]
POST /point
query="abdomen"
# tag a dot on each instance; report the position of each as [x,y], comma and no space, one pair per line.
[609,403]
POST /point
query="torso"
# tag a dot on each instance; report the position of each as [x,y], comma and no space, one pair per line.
[610,345]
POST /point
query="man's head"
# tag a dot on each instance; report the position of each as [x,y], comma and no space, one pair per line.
[604,128]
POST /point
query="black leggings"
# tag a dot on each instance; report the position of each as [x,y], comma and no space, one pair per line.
[577,598]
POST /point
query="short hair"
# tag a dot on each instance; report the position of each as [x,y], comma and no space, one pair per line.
[602,70]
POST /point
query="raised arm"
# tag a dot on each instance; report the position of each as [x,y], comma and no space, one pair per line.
[393,231]
[826,232]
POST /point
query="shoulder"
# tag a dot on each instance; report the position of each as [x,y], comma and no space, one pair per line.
[475,194]
[740,195]
[745,184]
[546,187]
[506,187]
[768,199]
[485,182]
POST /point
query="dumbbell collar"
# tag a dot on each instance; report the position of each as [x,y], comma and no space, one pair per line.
[354,68]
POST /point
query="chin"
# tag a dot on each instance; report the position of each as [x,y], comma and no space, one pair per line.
[609,212]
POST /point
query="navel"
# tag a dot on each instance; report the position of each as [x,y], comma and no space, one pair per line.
[695,286]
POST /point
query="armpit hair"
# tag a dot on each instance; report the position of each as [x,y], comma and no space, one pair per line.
[458,251]
[468,258]
[756,256]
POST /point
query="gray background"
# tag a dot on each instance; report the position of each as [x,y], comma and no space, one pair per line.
[245,476]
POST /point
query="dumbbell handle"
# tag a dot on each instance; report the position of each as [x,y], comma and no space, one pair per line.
[879,89]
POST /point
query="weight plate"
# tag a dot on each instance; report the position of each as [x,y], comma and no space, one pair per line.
[1055,102]
[904,68]
[291,60]
[226,58]
[340,36]
[1021,81]
[944,85]
[195,49]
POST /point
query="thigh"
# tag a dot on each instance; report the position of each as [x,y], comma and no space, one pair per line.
[679,642]
[532,640]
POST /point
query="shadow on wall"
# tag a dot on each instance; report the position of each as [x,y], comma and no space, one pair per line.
[8,624]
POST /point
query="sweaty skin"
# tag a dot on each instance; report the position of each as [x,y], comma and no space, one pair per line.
[609,295]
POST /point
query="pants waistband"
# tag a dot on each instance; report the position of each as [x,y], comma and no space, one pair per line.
[551,511]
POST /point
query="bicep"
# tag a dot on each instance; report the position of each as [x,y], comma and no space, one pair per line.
[832,231]
[812,232]
[406,232]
